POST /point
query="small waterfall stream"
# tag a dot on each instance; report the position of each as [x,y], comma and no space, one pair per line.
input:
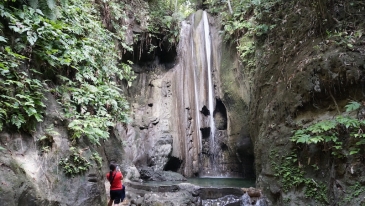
[202,141]
[210,84]
[196,53]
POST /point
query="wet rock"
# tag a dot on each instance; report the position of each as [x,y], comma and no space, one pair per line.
[188,194]
[252,192]
[131,173]
[161,152]
[148,174]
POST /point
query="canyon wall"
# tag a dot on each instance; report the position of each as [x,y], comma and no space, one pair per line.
[172,118]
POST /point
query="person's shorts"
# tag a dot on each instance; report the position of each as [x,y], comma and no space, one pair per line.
[117,195]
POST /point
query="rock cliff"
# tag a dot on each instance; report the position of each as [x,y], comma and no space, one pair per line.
[171,127]
[308,68]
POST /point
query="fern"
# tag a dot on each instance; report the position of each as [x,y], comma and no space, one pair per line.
[326,131]
[352,106]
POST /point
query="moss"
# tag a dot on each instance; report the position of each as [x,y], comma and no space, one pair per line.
[292,176]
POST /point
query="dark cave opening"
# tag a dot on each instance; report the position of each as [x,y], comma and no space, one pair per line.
[205,111]
[224,147]
[246,157]
[220,115]
[173,164]
[167,56]
[205,132]
[148,55]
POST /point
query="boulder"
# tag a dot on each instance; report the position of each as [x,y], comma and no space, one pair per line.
[148,174]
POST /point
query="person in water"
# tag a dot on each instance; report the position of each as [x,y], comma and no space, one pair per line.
[117,189]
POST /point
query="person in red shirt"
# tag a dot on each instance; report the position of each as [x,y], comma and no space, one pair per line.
[117,189]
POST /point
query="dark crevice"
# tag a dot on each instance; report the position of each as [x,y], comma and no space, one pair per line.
[205,132]
[205,111]
[149,52]
[224,147]
[173,164]
[220,115]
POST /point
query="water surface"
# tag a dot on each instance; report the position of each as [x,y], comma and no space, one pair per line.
[207,182]
[221,182]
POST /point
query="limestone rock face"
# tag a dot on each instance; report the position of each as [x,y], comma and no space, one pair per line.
[172,119]
[161,152]
[30,173]
[302,78]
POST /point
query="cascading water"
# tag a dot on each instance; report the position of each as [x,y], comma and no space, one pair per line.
[210,84]
[201,141]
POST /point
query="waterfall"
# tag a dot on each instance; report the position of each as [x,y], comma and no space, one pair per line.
[210,84]
[196,100]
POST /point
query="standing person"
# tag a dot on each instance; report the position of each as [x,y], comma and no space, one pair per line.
[117,192]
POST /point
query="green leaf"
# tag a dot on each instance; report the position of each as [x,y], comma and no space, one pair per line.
[2,39]
[304,138]
[42,138]
[30,111]
[17,120]
[32,37]
[354,151]
[38,117]
[316,139]
[352,106]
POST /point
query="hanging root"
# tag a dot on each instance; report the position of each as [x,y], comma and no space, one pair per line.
[334,101]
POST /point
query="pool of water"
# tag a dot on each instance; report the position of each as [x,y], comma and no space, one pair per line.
[222,182]
[208,182]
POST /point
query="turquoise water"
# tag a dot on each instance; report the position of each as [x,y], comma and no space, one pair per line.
[222,182]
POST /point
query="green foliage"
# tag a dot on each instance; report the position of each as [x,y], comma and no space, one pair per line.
[96,157]
[286,201]
[21,97]
[165,20]
[345,38]
[292,176]
[323,131]
[315,190]
[78,48]
[330,131]
[242,26]
[352,106]
[95,91]
[117,15]
[353,193]
[45,142]
[20,100]
[75,164]
[48,7]
[92,109]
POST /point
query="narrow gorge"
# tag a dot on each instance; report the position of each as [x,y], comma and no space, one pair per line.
[270,92]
